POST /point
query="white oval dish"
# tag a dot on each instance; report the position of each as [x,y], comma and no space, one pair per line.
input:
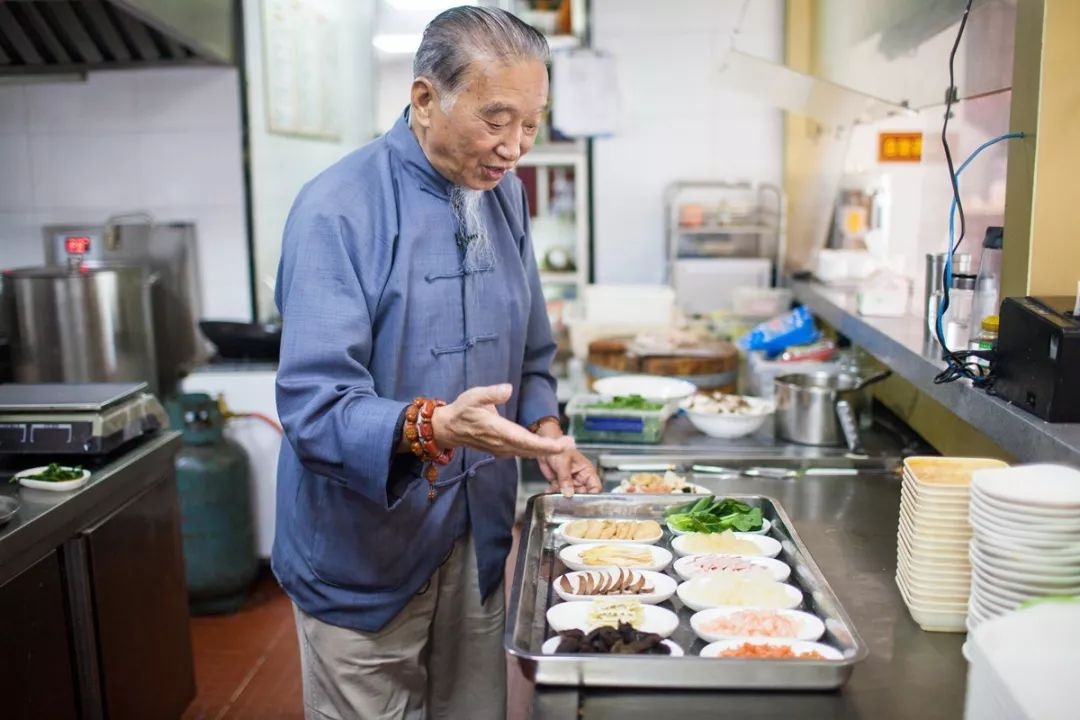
[689,591]
[570,615]
[624,488]
[767,546]
[780,571]
[578,540]
[797,646]
[766,526]
[571,557]
[655,388]
[549,646]
[808,627]
[25,478]
[663,587]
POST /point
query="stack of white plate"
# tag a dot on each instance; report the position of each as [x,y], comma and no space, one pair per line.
[932,568]
[1026,542]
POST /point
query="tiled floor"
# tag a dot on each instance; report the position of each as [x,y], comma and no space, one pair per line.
[247,665]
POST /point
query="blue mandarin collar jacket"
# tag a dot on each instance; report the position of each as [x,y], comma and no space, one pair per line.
[378,308]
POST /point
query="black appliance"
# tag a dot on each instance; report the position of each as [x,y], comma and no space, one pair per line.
[1038,357]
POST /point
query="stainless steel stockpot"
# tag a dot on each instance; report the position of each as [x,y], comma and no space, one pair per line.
[806,409]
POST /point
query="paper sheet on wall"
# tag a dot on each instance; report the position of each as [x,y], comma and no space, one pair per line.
[301,69]
[585,95]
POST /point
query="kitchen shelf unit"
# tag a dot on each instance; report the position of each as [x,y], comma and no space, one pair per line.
[556,227]
[720,235]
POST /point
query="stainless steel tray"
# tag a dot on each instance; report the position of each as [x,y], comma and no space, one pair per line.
[538,565]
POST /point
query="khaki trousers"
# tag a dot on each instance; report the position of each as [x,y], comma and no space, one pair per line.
[442,657]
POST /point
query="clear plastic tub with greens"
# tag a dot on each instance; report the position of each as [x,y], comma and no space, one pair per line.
[622,419]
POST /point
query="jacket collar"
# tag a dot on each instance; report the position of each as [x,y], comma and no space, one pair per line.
[404,144]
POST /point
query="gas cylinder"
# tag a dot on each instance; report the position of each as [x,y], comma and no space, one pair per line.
[215,505]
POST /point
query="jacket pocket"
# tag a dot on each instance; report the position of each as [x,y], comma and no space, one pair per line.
[360,545]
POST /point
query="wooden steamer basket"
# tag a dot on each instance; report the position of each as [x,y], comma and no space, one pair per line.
[710,365]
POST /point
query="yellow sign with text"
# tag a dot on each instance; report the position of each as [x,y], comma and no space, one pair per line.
[899,147]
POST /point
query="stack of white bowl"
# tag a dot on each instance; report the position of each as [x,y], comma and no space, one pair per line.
[1026,542]
[932,569]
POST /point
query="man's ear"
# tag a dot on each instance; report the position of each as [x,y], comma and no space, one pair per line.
[424,97]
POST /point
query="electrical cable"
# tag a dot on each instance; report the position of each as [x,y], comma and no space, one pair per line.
[959,364]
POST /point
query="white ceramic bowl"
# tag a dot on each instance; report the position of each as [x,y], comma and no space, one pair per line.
[808,627]
[693,594]
[763,530]
[663,586]
[25,478]
[797,646]
[729,425]
[767,546]
[574,539]
[655,388]
[552,643]
[684,566]
[660,557]
[570,615]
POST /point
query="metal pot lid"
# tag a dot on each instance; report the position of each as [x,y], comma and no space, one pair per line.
[63,271]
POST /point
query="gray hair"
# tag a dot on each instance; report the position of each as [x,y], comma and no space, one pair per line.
[460,36]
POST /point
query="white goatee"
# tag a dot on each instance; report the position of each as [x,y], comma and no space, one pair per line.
[466,205]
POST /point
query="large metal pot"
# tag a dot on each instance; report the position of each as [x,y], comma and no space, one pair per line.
[806,406]
[81,324]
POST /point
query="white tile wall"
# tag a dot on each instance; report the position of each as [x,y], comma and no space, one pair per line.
[677,123]
[13,111]
[162,140]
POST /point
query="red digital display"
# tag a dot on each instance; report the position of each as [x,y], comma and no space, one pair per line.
[77,245]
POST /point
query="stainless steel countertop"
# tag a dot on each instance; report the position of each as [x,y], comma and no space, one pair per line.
[900,344]
[46,519]
[849,526]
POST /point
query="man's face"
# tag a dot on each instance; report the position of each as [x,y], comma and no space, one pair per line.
[491,124]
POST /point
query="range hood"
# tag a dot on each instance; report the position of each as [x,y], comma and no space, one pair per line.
[54,37]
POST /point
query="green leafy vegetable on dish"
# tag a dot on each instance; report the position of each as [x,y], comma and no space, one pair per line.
[57,473]
[710,515]
[627,402]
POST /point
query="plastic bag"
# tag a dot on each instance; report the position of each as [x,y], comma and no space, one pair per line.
[795,327]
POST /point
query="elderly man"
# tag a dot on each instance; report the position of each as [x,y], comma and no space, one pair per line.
[414,367]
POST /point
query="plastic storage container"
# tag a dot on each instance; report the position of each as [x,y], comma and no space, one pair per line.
[620,425]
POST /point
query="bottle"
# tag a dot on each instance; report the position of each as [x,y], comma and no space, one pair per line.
[988,280]
[958,315]
[987,338]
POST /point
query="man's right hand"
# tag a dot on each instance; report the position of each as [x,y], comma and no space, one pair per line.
[472,421]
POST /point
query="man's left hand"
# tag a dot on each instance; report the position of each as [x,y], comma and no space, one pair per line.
[570,472]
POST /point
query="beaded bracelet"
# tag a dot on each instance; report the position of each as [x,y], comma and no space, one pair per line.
[420,434]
